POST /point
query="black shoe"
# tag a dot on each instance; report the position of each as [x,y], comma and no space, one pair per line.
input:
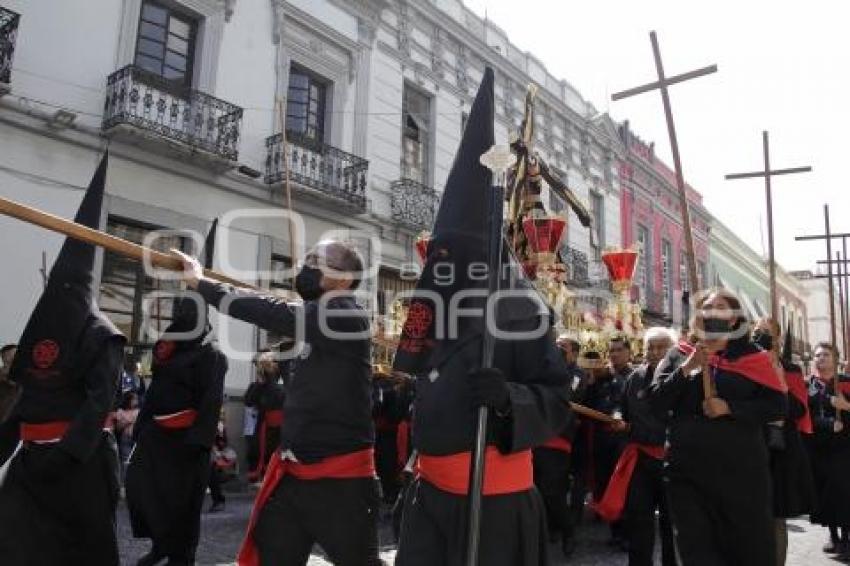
[216,507]
[152,558]
[832,546]
[568,546]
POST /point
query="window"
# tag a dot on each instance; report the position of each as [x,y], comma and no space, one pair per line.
[415,135]
[597,212]
[124,284]
[683,271]
[166,43]
[645,248]
[305,104]
[390,284]
[666,290]
[703,282]
[464,117]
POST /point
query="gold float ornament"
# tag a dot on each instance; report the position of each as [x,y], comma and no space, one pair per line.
[621,267]
[422,242]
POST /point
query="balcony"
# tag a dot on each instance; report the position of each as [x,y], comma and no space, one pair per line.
[577,265]
[8,35]
[144,105]
[323,170]
[413,204]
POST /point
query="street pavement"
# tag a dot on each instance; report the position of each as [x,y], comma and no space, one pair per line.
[221,534]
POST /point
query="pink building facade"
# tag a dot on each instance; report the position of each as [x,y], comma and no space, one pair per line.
[651,221]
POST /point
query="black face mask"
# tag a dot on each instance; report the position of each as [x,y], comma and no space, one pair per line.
[763,339]
[716,325]
[308,283]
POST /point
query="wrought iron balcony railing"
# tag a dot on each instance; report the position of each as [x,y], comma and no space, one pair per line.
[317,165]
[8,35]
[136,97]
[413,204]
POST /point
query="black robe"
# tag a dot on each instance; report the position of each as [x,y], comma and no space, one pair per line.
[605,394]
[64,513]
[169,469]
[717,470]
[512,525]
[265,397]
[829,454]
[793,485]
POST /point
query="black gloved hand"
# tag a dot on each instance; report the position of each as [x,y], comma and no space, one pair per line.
[49,463]
[488,388]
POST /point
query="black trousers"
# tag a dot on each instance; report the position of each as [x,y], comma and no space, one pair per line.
[340,515]
[552,480]
[69,519]
[513,530]
[215,484]
[646,495]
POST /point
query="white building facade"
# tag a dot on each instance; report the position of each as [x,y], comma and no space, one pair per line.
[191,96]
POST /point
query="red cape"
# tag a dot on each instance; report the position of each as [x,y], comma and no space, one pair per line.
[797,388]
[757,367]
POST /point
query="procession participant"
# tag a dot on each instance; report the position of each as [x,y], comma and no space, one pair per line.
[552,460]
[9,390]
[266,396]
[168,473]
[57,505]
[606,442]
[829,448]
[717,467]
[389,410]
[793,487]
[320,486]
[525,389]
[636,490]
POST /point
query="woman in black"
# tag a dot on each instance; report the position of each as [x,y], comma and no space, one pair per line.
[829,448]
[717,467]
[793,489]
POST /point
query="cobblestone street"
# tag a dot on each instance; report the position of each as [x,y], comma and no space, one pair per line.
[221,534]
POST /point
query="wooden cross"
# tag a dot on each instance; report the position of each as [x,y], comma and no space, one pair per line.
[767,173]
[661,84]
[843,284]
[828,236]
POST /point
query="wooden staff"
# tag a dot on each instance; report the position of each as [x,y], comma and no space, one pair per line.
[592,413]
[104,240]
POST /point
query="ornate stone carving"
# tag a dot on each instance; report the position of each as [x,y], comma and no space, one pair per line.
[403,31]
[461,74]
[366,31]
[437,52]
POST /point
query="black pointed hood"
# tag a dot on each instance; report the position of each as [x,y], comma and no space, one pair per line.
[788,346]
[459,238]
[67,305]
[185,310]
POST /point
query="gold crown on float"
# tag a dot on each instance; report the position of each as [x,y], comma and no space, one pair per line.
[594,349]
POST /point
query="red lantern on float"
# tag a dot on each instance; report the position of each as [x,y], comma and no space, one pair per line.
[422,242]
[544,234]
[621,267]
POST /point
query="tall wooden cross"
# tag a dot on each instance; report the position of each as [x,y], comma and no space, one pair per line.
[843,284]
[662,84]
[828,236]
[767,173]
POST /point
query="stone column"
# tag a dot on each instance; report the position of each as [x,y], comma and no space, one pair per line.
[363,62]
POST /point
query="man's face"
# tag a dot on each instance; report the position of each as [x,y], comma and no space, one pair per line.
[329,258]
[618,354]
[570,355]
[824,360]
[8,356]
[656,349]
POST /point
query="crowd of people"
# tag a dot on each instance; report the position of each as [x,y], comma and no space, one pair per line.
[712,439]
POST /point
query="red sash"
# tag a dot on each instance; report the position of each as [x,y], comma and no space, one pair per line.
[797,388]
[757,367]
[178,420]
[360,464]
[402,443]
[54,431]
[685,347]
[611,506]
[273,419]
[559,443]
[503,473]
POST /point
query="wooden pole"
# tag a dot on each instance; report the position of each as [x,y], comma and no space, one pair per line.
[293,248]
[829,272]
[768,174]
[104,240]
[841,305]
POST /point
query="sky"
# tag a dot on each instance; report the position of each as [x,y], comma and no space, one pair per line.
[783,67]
